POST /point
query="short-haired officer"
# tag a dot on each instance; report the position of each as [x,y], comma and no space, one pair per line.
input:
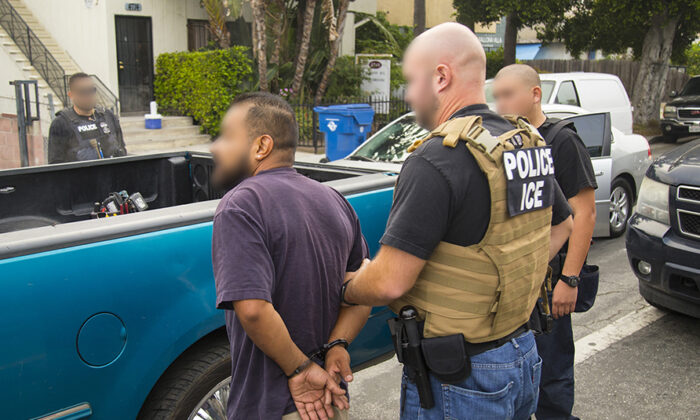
[517,90]
[81,132]
[467,242]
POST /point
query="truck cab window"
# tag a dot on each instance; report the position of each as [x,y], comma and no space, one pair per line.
[567,94]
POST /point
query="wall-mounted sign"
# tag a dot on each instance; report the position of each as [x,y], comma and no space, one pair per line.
[133,7]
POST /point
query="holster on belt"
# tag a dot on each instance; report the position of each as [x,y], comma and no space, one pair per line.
[444,357]
[541,320]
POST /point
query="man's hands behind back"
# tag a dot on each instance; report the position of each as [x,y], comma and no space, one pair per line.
[313,390]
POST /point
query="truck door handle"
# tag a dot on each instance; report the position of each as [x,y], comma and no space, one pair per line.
[7,190]
[601,173]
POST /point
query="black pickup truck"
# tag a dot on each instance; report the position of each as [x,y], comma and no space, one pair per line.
[682,113]
[663,236]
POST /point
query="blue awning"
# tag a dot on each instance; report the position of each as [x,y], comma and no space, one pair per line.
[526,51]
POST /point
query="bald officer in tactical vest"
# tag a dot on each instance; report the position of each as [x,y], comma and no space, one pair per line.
[467,242]
[81,132]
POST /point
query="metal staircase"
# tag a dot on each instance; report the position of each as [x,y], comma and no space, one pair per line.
[43,61]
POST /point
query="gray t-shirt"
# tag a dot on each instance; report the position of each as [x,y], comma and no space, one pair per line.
[286,239]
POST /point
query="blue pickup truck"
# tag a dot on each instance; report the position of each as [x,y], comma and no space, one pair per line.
[114,318]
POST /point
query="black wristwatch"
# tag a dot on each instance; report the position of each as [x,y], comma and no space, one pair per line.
[342,294]
[572,281]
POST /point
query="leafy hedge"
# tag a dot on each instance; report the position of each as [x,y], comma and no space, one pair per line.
[202,84]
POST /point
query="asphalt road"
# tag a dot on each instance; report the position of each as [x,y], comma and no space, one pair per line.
[633,361]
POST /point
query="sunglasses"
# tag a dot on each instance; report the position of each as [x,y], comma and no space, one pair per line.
[87,91]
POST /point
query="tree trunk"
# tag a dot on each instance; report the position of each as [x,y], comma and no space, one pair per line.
[418,17]
[650,84]
[510,39]
[303,47]
[260,41]
[335,46]
[278,27]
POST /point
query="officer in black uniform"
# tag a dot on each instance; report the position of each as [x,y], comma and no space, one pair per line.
[517,90]
[442,199]
[81,132]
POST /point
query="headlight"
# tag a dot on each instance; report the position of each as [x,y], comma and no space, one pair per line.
[653,200]
[669,111]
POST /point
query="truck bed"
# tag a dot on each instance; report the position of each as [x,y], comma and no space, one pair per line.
[100,309]
[64,193]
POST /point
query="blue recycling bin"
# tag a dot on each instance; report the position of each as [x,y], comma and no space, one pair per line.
[345,127]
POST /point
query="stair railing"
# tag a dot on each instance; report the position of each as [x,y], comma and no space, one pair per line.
[36,52]
[44,62]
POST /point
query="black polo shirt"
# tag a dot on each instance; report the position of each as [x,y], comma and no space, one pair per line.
[572,162]
[442,195]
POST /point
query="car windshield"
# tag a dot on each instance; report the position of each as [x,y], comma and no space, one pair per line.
[692,87]
[547,88]
[390,144]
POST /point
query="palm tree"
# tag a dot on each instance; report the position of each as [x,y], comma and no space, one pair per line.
[303,46]
[217,12]
[334,37]
[260,41]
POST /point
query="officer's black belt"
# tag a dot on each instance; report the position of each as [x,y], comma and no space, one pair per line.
[477,348]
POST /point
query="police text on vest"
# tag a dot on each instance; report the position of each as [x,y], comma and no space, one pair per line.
[529,177]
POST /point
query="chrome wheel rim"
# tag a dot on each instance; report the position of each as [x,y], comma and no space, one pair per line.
[619,208]
[213,405]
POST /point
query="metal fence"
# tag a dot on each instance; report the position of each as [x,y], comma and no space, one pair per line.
[385,111]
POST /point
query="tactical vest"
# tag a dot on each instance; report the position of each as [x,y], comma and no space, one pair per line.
[487,290]
[105,145]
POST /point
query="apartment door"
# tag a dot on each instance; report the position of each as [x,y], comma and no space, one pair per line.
[134,62]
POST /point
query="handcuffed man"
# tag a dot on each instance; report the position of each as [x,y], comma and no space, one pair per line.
[282,244]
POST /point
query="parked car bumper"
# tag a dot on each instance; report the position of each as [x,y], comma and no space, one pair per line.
[677,128]
[674,280]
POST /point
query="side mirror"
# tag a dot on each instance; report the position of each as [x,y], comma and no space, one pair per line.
[673,94]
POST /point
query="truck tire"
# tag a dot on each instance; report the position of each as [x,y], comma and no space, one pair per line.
[197,380]
[621,201]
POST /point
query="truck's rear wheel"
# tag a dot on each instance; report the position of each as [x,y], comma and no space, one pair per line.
[195,387]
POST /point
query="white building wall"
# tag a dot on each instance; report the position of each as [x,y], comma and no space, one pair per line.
[347,40]
[87,34]
[10,71]
[80,31]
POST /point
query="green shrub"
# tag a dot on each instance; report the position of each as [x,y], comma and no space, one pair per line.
[201,84]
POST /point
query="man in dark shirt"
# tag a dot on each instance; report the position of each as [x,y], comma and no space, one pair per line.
[282,244]
[443,196]
[517,90]
[80,132]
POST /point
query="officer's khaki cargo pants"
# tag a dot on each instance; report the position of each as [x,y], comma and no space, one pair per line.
[339,415]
